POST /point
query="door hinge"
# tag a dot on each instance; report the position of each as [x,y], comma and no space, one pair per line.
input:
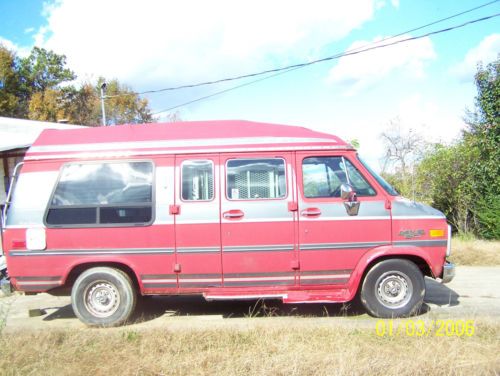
[295,264]
[293,206]
[177,268]
[174,209]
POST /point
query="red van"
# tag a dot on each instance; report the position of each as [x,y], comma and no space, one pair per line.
[225,209]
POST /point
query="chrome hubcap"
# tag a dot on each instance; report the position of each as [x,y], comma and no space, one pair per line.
[394,289]
[102,298]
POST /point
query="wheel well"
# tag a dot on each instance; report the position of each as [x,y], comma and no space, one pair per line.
[418,261]
[80,268]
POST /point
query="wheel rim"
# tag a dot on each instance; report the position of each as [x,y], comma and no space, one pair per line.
[101,298]
[394,289]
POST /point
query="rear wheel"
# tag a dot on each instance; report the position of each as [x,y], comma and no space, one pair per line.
[393,288]
[103,296]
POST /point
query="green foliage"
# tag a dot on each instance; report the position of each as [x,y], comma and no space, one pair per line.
[123,106]
[43,70]
[488,214]
[463,180]
[9,83]
[39,87]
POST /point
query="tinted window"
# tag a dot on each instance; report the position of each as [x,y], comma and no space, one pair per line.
[323,176]
[103,193]
[197,180]
[256,179]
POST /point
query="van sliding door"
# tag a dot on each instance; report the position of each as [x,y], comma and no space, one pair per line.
[197,222]
[257,221]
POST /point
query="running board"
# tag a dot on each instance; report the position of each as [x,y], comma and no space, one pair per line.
[291,297]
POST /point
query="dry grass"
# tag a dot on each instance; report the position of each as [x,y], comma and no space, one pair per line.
[278,351]
[475,252]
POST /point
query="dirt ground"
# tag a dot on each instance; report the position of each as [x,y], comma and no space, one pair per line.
[473,294]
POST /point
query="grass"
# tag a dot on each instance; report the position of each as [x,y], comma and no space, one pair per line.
[258,351]
[471,251]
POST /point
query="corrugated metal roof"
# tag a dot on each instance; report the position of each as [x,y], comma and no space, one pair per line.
[20,133]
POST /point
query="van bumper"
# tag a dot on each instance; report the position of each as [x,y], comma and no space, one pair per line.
[448,272]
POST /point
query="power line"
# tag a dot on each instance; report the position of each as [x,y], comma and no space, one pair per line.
[286,68]
[279,71]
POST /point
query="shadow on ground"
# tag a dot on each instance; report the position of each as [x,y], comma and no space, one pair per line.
[150,308]
[439,294]
[153,307]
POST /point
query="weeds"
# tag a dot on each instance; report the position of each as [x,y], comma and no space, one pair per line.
[262,351]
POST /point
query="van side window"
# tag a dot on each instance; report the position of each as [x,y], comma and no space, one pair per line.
[197,180]
[323,176]
[111,193]
[255,179]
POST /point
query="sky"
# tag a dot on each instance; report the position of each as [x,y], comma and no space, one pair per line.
[424,85]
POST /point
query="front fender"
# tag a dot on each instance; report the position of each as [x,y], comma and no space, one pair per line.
[384,252]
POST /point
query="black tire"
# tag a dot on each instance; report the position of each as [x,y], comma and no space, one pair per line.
[393,288]
[103,296]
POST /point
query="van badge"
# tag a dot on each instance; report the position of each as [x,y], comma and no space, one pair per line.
[410,234]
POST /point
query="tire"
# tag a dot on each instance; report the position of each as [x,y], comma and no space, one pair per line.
[103,296]
[393,288]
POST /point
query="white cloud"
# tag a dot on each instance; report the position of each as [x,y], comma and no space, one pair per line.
[158,43]
[360,71]
[430,119]
[487,51]
[20,51]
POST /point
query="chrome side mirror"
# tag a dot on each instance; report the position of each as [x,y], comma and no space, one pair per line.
[351,202]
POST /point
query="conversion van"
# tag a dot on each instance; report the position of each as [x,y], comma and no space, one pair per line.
[223,209]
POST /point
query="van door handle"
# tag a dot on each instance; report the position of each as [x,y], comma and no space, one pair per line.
[310,212]
[233,214]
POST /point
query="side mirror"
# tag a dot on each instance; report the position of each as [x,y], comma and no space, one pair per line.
[351,202]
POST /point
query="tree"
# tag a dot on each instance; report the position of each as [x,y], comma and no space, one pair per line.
[463,180]
[39,87]
[43,70]
[483,138]
[441,181]
[403,150]
[9,83]
[123,106]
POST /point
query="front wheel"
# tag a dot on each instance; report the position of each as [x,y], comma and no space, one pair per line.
[103,296]
[393,288]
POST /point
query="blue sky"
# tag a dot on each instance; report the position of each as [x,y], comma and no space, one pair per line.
[425,84]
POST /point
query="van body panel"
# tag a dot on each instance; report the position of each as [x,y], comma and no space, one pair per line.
[257,244]
[331,241]
[197,223]
[235,214]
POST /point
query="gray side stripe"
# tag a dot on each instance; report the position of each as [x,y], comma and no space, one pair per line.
[321,246]
[258,283]
[321,272]
[422,243]
[324,281]
[158,276]
[269,274]
[260,248]
[159,285]
[194,276]
[198,249]
[26,279]
[45,286]
[79,252]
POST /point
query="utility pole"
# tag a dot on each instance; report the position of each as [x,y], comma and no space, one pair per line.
[103,88]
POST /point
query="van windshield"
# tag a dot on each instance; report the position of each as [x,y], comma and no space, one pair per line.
[388,188]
